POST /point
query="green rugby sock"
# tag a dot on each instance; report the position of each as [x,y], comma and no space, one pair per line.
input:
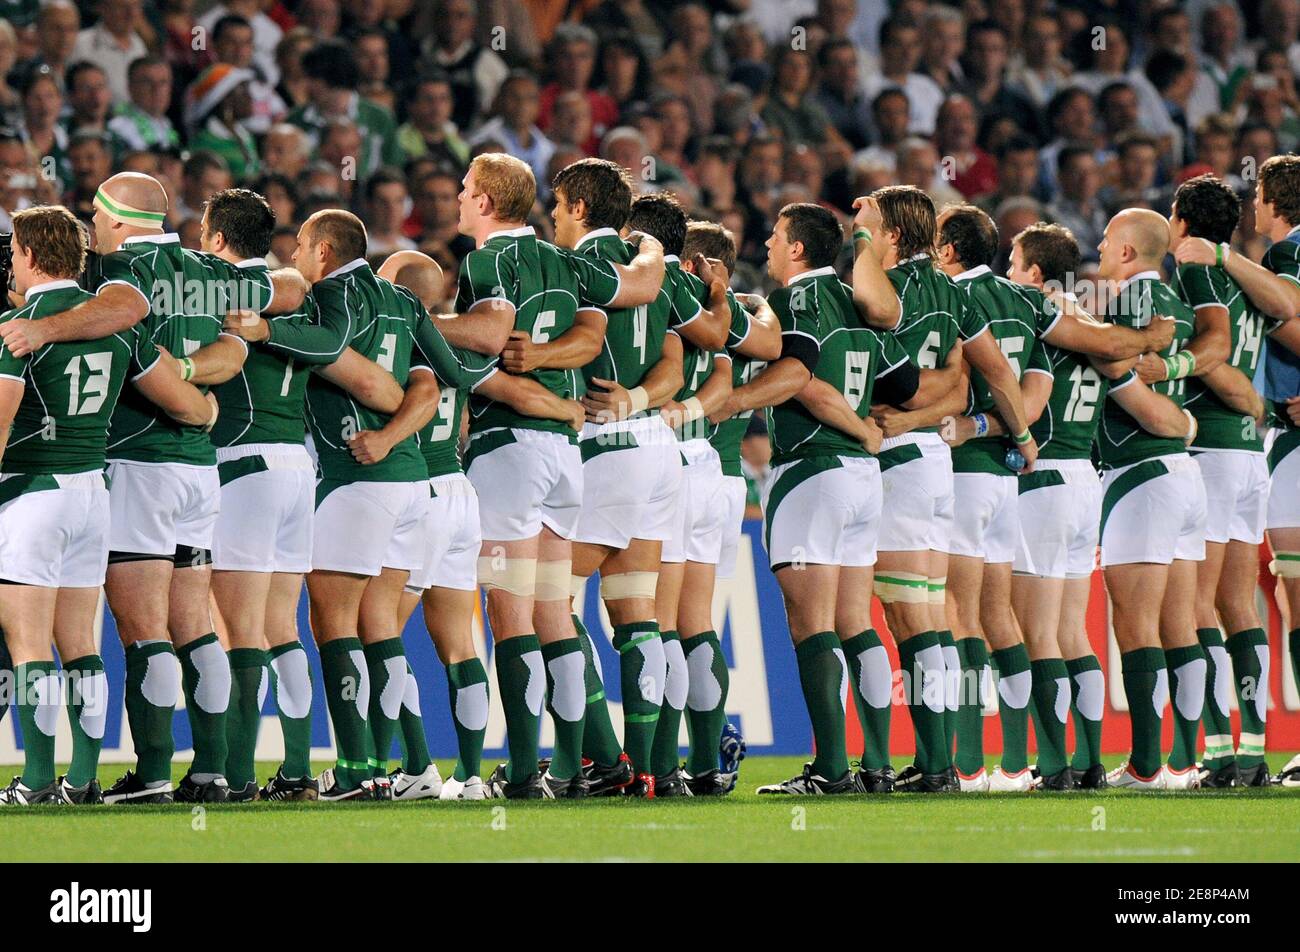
[1250,663]
[664,747]
[347,694]
[1218,692]
[1014,686]
[386,664]
[291,682]
[951,685]
[566,702]
[1051,697]
[521,682]
[973,654]
[822,674]
[205,676]
[1293,642]
[38,712]
[643,676]
[872,681]
[247,691]
[1087,703]
[1186,667]
[410,729]
[1146,686]
[152,687]
[6,678]
[87,699]
[706,700]
[467,691]
[599,742]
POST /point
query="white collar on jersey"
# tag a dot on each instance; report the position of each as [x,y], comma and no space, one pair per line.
[974,273]
[915,257]
[252,263]
[672,259]
[812,273]
[57,285]
[593,235]
[508,233]
[166,238]
[1140,276]
[1293,231]
[350,266]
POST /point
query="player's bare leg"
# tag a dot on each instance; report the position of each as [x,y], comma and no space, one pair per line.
[902,583]
[871,677]
[138,597]
[1015,686]
[85,687]
[1137,591]
[1185,661]
[562,655]
[241,599]
[965,585]
[381,638]
[27,617]
[335,607]
[1247,645]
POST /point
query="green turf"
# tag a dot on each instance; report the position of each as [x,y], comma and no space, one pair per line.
[1113,826]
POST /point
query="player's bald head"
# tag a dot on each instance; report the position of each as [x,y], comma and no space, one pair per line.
[1147,232]
[416,272]
[341,230]
[137,190]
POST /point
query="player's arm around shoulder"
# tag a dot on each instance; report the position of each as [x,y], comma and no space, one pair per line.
[158,377]
[873,293]
[576,347]
[370,383]
[217,362]
[419,404]
[763,342]
[828,405]
[1154,412]
[117,307]
[1236,391]
[529,398]
[641,278]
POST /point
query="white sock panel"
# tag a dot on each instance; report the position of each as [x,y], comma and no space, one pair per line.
[535,692]
[568,689]
[704,692]
[877,678]
[161,686]
[1015,689]
[1190,696]
[390,698]
[292,684]
[362,701]
[411,696]
[1160,694]
[472,706]
[1062,706]
[1221,694]
[951,678]
[212,692]
[92,694]
[677,678]
[1092,694]
[933,672]
[45,691]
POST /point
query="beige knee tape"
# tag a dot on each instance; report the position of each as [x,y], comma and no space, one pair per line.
[905,587]
[577,585]
[1285,564]
[628,585]
[936,590]
[554,581]
[516,576]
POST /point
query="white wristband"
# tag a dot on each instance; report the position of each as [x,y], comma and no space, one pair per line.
[694,409]
[1191,428]
[640,399]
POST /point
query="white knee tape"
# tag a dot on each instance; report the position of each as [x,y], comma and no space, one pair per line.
[936,589]
[577,585]
[1285,564]
[628,585]
[516,576]
[554,581]
[905,587]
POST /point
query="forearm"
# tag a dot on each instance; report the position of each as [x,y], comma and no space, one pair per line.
[1005,391]
[484,331]
[829,406]
[365,380]
[664,378]
[310,344]
[288,290]
[1288,335]
[526,396]
[576,347]
[105,314]
[417,408]
[777,383]
[1274,295]
[715,391]
[1236,391]
[764,339]
[642,277]
[1113,369]
[218,362]
[1209,349]
[949,404]
[872,290]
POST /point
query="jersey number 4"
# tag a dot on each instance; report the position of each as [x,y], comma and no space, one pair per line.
[88,396]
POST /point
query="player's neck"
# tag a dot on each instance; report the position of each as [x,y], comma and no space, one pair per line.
[952,267]
[493,226]
[128,232]
[1279,229]
[40,281]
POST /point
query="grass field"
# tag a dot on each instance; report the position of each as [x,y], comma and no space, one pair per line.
[1238,825]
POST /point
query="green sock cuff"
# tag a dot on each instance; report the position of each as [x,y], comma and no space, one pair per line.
[339,646]
[1209,637]
[1250,637]
[862,641]
[1011,660]
[139,655]
[1079,665]
[517,647]
[815,644]
[246,658]
[625,636]
[45,667]
[90,664]
[558,649]
[1177,657]
[284,649]
[946,639]
[1141,660]
[971,652]
[670,635]
[464,673]
[703,638]
[1047,669]
[383,650]
[908,650]
[209,639]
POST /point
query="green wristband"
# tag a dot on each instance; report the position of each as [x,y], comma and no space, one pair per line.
[187,368]
[1023,438]
[862,234]
[1180,365]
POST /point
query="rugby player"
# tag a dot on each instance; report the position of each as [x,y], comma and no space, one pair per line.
[54,505]
[527,471]
[164,489]
[898,288]
[1273,286]
[1229,449]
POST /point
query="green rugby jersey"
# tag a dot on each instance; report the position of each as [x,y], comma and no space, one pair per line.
[189,293]
[1068,425]
[458,371]
[729,434]
[1281,366]
[852,356]
[687,295]
[70,389]
[1121,440]
[1218,426]
[634,336]
[546,286]
[1017,317]
[264,402]
[935,314]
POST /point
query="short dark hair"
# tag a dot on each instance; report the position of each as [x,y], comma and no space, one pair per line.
[660,216]
[229,21]
[1016,142]
[1052,247]
[1069,153]
[76,69]
[1134,139]
[711,240]
[343,230]
[1209,206]
[245,220]
[829,46]
[383,176]
[1164,67]
[972,234]
[1058,103]
[817,229]
[1279,184]
[203,160]
[884,94]
[603,186]
[144,62]
[332,62]
[892,25]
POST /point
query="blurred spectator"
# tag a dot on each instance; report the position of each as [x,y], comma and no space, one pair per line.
[266,35]
[1226,59]
[286,150]
[1171,30]
[90,159]
[387,206]
[900,57]
[943,40]
[1017,173]
[791,109]
[967,167]
[624,71]
[143,123]
[1039,70]
[89,101]
[476,71]
[429,129]
[1137,155]
[203,174]
[371,46]
[571,56]
[233,44]
[571,120]
[216,105]
[1076,205]
[10,101]
[919,166]
[840,95]
[985,65]
[44,136]
[57,27]
[113,43]
[437,213]
[514,124]
[294,87]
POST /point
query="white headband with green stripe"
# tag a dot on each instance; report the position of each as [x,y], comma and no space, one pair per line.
[126,214]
